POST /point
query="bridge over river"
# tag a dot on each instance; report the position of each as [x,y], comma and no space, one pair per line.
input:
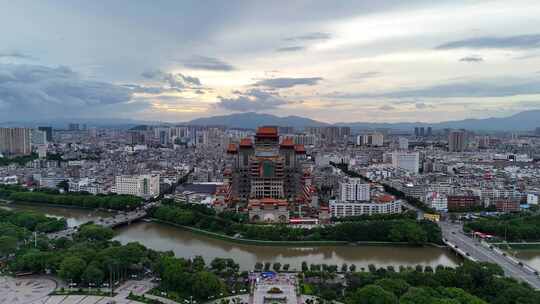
[119,219]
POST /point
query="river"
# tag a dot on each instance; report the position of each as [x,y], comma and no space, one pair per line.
[186,244]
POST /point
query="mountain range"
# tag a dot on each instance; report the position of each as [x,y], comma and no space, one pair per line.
[523,121]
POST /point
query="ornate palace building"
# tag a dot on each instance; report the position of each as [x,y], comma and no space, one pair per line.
[267,176]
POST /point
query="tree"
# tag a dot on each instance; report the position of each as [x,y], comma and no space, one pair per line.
[352,268]
[395,286]
[276,266]
[8,245]
[206,284]
[218,264]
[92,274]
[72,268]
[286,267]
[372,294]
[92,232]
[258,266]
[344,267]
[267,266]
[417,295]
[198,263]
[304,266]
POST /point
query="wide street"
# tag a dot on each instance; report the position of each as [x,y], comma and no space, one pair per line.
[454,234]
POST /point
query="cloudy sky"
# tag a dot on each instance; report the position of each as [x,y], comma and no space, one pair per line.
[358,60]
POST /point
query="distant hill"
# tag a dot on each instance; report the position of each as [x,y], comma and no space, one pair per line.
[523,121]
[251,120]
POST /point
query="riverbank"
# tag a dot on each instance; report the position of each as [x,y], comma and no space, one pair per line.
[520,246]
[27,203]
[224,237]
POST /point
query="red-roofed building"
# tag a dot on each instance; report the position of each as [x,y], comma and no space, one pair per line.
[232,149]
[246,143]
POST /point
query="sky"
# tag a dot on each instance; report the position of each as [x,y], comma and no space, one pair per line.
[334,61]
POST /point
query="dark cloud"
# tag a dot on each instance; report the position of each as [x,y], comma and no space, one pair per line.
[252,100]
[16,54]
[145,89]
[518,42]
[34,91]
[365,75]
[309,36]
[207,63]
[421,105]
[472,58]
[387,108]
[291,49]
[287,82]
[492,88]
[176,81]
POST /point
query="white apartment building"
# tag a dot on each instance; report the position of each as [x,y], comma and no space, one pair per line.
[354,190]
[345,209]
[532,199]
[409,161]
[437,201]
[373,140]
[403,143]
[145,186]
[305,139]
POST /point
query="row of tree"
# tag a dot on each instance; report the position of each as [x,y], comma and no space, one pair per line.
[400,229]
[510,227]
[115,202]
[471,283]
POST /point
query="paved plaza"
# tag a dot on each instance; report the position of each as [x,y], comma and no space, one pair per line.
[275,288]
[25,290]
[36,290]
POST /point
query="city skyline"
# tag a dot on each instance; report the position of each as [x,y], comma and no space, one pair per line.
[359,61]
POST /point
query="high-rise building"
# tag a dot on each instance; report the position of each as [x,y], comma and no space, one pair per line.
[73,127]
[429,132]
[48,132]
[15,141]
[145,186]
[484,142]
[373,140]
[409,161]
[353,190]
[419,131]
[403,143]
[456,141]
[38,138]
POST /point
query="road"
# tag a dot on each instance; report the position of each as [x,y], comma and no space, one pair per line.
[454,234]
[419,212]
